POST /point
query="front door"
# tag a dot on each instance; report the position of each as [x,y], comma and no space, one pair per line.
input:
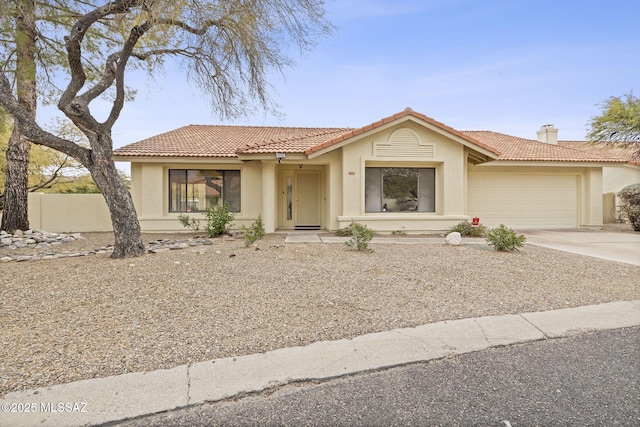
[307,199]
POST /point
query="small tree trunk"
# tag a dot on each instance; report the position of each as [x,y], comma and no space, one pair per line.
[15,215]
[126,228]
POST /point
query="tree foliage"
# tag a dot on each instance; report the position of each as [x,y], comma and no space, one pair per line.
[30,56]
[51,20]
[630,197]
[227,47]
[618,124]
[51,171]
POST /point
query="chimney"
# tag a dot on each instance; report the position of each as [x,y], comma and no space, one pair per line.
[548,134]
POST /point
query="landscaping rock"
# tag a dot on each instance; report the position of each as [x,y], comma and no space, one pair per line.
[48,242]
[454,239]
[32,238]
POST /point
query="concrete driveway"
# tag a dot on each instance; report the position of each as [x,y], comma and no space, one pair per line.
[612,246]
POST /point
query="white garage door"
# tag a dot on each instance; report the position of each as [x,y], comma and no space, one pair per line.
[524,201]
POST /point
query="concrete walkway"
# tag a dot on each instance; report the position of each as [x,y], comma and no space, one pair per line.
[131,395]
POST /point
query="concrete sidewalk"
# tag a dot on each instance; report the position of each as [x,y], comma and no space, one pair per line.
[120,397]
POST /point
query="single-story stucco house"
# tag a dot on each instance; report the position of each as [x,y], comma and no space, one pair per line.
[407,172]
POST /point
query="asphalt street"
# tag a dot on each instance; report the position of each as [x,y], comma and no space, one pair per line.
[590,379]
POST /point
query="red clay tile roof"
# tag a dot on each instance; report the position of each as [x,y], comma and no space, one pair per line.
[603,149]
[522,149]
[299,140]
[213,141]
[227,141]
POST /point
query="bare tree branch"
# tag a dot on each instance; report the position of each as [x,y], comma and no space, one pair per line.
[33,131]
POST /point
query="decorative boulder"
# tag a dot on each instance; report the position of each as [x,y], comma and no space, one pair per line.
[454,239]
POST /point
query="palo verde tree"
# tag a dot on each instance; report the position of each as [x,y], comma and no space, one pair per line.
[618,124]
[228,47]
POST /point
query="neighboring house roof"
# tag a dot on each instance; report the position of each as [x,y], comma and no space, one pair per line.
[214,141]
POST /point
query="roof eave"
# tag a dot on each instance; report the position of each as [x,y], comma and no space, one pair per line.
[174,159]
[552,162]
[272,156]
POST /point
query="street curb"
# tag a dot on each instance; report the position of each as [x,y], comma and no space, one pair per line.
[110,399]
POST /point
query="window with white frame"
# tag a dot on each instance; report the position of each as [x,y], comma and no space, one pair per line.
[395,189]
[193,190]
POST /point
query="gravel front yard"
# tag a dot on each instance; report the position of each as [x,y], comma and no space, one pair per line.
[77,318]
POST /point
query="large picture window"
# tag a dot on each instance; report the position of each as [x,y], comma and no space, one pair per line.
[400,190]
[198,190]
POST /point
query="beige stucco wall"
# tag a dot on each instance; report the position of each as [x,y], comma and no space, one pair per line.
[68,212]
[614,179]
[150,192]
[433,151]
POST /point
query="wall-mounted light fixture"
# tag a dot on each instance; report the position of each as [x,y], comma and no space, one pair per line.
[280,156]
[300,166]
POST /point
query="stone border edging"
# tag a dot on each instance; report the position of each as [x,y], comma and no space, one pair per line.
[54,240]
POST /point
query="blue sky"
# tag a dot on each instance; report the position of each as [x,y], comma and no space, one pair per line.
[503,65]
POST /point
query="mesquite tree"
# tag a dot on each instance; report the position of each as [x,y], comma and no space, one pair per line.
[227,46]
[30,54]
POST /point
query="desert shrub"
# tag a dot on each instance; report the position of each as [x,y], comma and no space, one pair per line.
[346,231]
[219,220]
[254,232]
[505,239]
[630,198]
[360,237]
[466,229]
[190,223]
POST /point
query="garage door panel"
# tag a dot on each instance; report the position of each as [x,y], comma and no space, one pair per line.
[524,201]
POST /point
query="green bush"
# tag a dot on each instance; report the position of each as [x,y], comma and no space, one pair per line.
[190,223]
[630,197]
[466,229]
[253,233]
[505,239]
[219,220]
[346,231]
[360,237]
